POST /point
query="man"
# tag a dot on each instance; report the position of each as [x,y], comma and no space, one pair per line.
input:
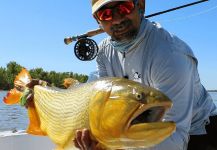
[143,51]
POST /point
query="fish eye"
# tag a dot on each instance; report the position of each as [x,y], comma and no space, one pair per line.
[140,96]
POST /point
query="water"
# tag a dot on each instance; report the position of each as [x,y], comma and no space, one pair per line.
[14,117]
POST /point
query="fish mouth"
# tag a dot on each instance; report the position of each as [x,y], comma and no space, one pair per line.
[150,114]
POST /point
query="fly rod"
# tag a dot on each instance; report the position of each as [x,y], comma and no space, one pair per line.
[91,33]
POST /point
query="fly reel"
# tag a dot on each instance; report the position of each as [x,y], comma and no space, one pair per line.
[86,49]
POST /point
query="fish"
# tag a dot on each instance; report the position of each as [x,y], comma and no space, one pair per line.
[70,82]
[118,112]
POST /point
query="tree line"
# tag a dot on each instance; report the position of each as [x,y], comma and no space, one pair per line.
[8,74]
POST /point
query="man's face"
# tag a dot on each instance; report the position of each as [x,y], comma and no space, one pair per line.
[122,27]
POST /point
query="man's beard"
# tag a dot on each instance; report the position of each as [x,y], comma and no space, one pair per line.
[124,25]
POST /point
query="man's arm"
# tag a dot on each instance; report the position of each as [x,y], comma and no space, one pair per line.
[174,76]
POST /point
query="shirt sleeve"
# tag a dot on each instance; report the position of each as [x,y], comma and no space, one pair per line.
[175,78]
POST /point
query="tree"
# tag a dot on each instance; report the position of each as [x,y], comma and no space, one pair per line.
[8,75]
[3,79]
[12,70]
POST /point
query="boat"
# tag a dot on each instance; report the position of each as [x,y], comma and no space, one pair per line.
[20,140]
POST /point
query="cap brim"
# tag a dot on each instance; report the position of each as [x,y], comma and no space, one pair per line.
[101,3]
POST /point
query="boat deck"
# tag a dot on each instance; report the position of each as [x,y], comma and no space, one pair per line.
[23,141]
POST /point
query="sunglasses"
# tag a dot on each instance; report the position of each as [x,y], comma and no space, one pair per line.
[123,8]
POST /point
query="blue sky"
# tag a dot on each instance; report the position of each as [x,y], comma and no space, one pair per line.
[32,33]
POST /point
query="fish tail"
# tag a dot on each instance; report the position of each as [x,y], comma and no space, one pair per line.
[20,82]
[18,95]
[12,97]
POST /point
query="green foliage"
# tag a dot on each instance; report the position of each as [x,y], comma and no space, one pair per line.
[7,76]
[3,79]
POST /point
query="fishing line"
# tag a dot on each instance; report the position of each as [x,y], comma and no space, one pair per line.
[190,16]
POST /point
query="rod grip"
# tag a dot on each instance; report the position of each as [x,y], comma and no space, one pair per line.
[94,32]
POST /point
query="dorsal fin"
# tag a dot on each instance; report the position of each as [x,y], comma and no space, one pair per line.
[70,82]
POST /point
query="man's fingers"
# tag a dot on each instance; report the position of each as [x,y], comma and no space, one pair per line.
[29,99]
[76,143]
[93,146]
[33,83]
[78,139]
[43,83]
[85,139]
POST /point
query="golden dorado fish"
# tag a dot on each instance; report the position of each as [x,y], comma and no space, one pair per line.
[118,112]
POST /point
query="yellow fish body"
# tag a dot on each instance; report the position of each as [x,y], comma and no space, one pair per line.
[118,112]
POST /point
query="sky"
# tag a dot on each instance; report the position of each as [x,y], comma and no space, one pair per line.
[32,33]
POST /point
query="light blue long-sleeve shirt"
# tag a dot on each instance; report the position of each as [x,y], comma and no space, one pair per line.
[165,62]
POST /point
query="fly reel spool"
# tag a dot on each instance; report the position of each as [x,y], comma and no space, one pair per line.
[85,49]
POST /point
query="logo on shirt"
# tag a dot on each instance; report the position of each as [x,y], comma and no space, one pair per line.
[137,76]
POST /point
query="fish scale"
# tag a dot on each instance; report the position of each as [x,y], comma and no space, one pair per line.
[61,104]
[109,107]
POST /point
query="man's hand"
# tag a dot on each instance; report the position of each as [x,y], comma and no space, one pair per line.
[36,82]
[31,85]
[83,141]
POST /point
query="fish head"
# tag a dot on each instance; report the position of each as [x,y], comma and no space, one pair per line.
[127,114]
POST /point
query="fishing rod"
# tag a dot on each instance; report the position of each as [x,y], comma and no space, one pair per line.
[86,49]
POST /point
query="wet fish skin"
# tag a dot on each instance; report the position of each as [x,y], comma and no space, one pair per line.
[106,107]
